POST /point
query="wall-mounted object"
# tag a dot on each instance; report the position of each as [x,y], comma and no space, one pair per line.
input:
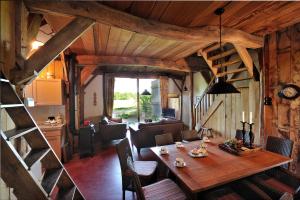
[289,91]
[95,99]
[268,101]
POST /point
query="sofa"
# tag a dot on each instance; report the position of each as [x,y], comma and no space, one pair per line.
[108,129]
[143,135]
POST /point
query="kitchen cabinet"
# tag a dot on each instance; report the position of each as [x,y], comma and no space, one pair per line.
[54,137]
[45,92]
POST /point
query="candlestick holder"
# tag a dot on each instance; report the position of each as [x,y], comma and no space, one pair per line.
[244,132]
[251,135]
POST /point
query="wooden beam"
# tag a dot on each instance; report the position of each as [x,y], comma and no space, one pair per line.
[246,58]
[106,15]
[209,62]
[33,28]
[130,61]
[178,87]
[86,72]
[58,43]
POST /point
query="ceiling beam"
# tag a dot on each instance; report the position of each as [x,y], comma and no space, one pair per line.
[51,49]
[106,15]
[86,60]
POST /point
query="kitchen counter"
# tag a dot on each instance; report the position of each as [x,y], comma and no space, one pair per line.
[45,127]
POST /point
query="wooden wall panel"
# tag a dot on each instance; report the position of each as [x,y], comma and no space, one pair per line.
[225,120]
[282,66]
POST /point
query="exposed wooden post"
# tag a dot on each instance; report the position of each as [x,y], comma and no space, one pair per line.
[71,64]
[45,54]
[192,100]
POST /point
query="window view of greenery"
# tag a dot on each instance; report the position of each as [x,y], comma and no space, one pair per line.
[125,100]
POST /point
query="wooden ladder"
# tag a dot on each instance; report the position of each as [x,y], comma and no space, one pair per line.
[16,170]
[212,55]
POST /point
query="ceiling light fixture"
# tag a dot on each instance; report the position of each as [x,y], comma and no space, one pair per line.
[221,86]
[36,44]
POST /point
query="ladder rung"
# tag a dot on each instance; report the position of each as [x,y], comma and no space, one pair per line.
[15,133]
[4,80]
[11,105]
[213,47]
[231,72]
[223,54]
[225,64]
[66,194]
[50,179]
[238,79]
[35,155]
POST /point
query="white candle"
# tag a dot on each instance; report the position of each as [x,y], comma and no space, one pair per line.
[243,116]
[250,118]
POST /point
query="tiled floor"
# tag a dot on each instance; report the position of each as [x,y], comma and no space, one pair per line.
[99,177]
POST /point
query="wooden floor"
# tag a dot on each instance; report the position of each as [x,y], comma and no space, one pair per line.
[99,177]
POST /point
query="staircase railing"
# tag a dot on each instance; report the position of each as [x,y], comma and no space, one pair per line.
[204,103]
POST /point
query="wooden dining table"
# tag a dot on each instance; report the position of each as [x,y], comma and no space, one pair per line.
[219,167]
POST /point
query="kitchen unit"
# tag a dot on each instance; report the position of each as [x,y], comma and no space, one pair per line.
[45,92]
[55,135]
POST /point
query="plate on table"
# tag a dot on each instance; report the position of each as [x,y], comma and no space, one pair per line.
[200,155]
[180,166]
[179,145]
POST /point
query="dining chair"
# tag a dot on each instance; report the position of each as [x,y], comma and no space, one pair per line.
[164,139]
[190,135]
[162,190]
[144,169]
[278,180]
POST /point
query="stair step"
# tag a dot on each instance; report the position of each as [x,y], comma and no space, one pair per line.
[222,55]
[11,105]
[225,64]
[15,133]
[237,79]
[213,47]
[34,156]
[50,179]
[10,96]
[231,72]
[20,116]
[4,80]
[66,194]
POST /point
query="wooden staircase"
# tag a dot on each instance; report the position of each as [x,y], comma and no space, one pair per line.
[234,58]
[16,170]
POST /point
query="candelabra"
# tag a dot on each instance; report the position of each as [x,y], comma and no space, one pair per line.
[251,135]
[244,132]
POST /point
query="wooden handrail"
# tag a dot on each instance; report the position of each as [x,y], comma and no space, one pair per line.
[205,91]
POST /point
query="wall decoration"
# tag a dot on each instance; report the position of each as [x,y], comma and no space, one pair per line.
[95,99]
[289,91]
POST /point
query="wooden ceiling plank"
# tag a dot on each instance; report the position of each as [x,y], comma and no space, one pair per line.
[179,48]
[123,41]
[156,46]
[164,51]
[88,41]
[189,51]
[268,20]
[113,38]
[52,48]
[87,60]
[142,8]
[134,43]
[86,72]
[106,15]
[148,41]
[158,10]
[96,35]
[103,37]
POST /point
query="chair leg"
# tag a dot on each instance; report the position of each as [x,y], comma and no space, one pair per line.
[123,193]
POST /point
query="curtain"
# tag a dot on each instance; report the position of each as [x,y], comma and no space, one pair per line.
[164,90]
[108,94]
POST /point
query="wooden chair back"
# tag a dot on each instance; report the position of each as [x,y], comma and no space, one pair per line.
[281,146]
[164,139]
[137,183]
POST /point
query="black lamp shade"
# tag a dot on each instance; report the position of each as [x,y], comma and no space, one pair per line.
[222,87]
[146,92]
